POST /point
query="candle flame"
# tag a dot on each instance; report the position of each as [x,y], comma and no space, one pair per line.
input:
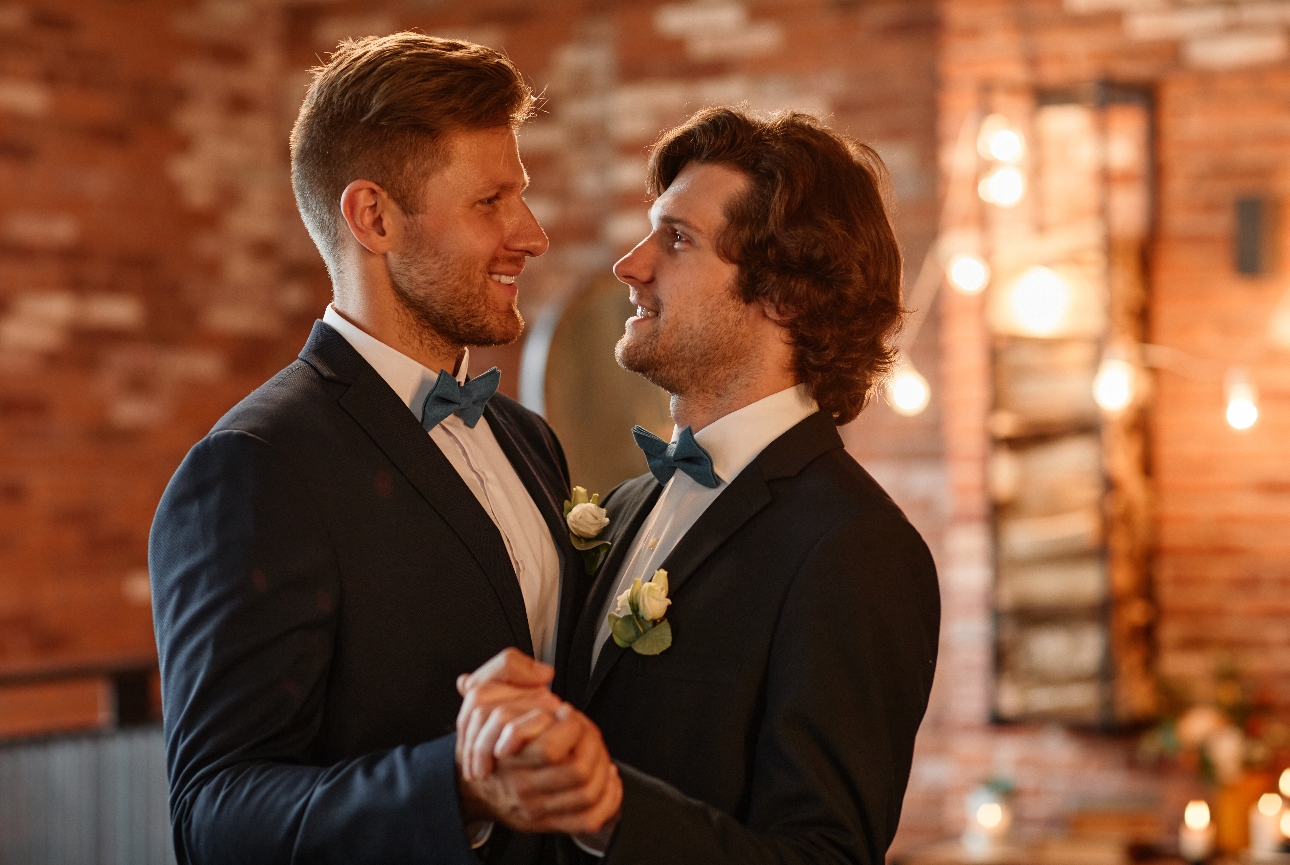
[1196,815]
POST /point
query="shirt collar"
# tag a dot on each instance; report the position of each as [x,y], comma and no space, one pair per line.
[736,439]
[409,379]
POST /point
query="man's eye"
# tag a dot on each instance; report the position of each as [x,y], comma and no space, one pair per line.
[678,237]
[492,199]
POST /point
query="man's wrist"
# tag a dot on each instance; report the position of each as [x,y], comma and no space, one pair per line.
[597,843]
[474,809]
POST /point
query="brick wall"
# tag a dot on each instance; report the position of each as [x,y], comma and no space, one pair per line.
[1220,563]
[153,271]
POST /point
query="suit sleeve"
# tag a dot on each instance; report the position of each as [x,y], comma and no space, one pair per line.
[848,678]
[245,599]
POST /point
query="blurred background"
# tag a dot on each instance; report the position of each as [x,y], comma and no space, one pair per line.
[1090,425]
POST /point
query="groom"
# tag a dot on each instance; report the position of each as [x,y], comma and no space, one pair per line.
[759,646]
[372,522]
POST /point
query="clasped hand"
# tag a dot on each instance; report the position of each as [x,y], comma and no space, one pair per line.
[529,760]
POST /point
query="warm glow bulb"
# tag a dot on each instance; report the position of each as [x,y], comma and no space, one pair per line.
[1242,401]
[1270,804]
[1113,387]
[1284,784]
[989,815]
[968,273]
[1285,824]
[1006,145]
[1039,301]
[1196,815]
[1004,186]
[908,392]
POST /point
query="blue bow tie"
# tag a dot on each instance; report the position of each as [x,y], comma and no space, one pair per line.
[466,401]
[685,454]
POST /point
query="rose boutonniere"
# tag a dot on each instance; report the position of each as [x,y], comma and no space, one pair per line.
[638,620]
[586,520]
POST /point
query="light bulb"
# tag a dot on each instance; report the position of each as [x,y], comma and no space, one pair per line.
[907,391]
[1285,824]
[1003,187]
[1007,145]
[1039,301]
[999,141]
[1284,784]
[989,815]
[1114,384]
[968,273]
[1270,804]
[1242,400]
[1196,814]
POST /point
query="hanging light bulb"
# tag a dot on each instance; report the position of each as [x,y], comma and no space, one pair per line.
[1007,145]
[907,391]
[1242,400]
[1115,384]
[1039,301]
[1003,187]
[999,140]
[968,273]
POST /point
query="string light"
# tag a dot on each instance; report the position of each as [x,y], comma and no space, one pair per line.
[990,814]
[968,273]
[1242,400]
[1196,815]
[1284,785]
[908,392]
[1270,804]
[1115,384]
[1039,301]
[998,140]
[1003,187]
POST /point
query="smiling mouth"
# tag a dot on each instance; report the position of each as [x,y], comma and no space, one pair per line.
[642,312]
[502,278]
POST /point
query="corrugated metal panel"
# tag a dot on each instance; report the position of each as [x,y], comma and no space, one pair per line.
[85,800]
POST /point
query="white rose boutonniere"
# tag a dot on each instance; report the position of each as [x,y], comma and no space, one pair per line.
[586,520]
[638,620]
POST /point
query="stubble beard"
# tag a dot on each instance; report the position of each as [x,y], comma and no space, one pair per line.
[695,360]
[447,301]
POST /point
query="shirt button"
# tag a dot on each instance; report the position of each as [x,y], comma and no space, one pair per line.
[653,544]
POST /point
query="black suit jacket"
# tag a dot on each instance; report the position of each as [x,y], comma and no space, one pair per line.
[321,574]
[779,726]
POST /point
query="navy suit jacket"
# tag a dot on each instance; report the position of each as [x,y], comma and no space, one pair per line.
[779,726]
[321,575]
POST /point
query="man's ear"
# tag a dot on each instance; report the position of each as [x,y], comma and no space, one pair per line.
[373,218]
[774,313]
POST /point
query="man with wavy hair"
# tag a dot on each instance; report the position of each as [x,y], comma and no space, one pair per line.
[373,522]
[759,646]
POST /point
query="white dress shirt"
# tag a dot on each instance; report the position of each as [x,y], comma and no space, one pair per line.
[733,441]
[482,464]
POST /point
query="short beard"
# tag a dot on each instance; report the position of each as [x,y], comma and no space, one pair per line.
[698,360]
[443,302]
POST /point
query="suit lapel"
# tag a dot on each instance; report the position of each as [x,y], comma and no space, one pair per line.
[550,502]
[379,411]
[584,639]
[747,494]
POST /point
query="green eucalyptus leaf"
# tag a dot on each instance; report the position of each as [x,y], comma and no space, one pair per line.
[586,543]
[655,640]
[624,630]
[568,506]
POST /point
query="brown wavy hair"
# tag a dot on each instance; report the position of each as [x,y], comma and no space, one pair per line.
[378,110]
[811,235]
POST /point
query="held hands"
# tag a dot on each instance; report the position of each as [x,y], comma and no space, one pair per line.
[527,759]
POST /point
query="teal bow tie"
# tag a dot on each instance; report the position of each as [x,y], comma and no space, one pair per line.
[685,454]
[466,401]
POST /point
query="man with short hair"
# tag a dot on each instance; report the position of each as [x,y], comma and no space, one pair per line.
[759,646]
[373,522]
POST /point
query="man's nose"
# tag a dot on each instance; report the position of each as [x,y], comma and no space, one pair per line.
[635,266]
[526,234]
